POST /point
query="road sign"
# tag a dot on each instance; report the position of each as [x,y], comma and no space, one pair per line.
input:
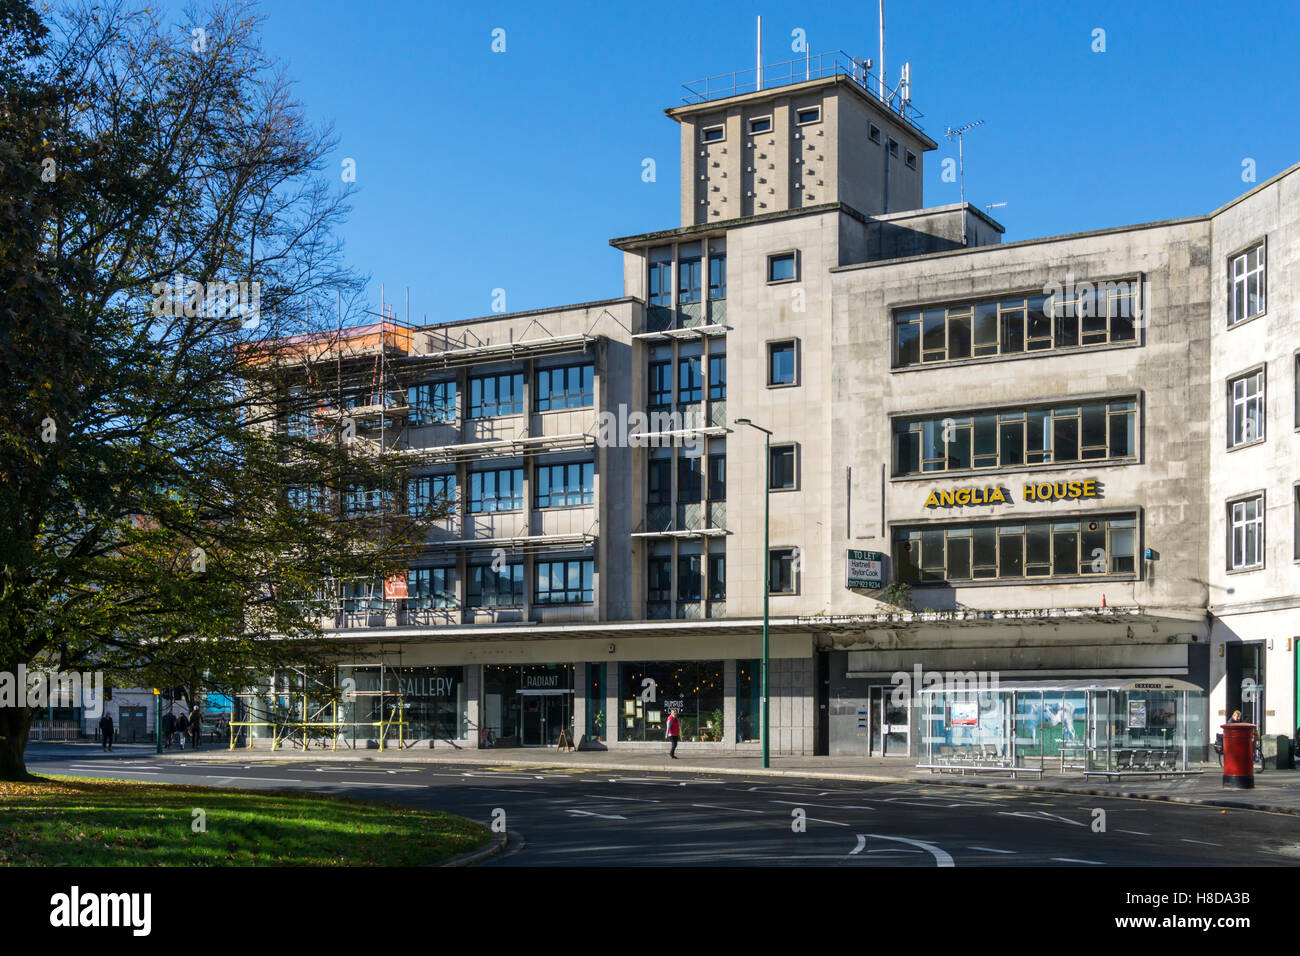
[865,569]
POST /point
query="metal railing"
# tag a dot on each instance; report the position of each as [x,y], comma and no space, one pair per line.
[799,70]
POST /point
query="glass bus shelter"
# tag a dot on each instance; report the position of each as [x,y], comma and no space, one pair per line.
[1111,726]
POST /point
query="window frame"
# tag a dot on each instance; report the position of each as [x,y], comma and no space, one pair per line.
[749,125]
[585,491]
[585,591]
[705,140]
[770,349]
[782,255]
[793,551]
[471,415]
[801,120]
[586,383]
[496,497]
[437,599]
[1242,254]
[473,576]
[1262,539]
[1260,399]
[782,447]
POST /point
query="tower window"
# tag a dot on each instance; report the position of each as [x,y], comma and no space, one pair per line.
[811,114]
[713,134]
[911,159]
[873,131]
[760,124]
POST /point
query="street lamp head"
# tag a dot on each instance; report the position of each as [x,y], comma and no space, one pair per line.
[750,423]
[743,421]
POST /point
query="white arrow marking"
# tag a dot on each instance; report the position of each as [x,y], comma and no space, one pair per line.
[862,842]
[941,858]
[603,816]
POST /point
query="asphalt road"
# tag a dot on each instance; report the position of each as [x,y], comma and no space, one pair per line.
[587,818]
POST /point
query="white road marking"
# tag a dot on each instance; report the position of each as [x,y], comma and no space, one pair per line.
[1134,832]
[862,842]
[832,822]
[1067,859]
[941,857]
[989,849]
[603,816]
[824,806]
[595,797]
[1041,815]
[1203,842]
[711,806]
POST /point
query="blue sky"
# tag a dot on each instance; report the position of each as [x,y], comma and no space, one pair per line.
[1156,127]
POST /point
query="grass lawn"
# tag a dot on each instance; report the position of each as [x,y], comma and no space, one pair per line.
[80,821]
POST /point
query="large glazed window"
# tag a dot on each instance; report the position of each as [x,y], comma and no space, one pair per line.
[1246,533]
[1016,551]
[1008,438]
[1246,285]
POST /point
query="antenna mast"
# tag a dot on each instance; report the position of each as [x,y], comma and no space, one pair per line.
[758,57]
[961,166]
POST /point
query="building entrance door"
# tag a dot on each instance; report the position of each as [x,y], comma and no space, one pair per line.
[543,714]
[1245,667]
[890,723]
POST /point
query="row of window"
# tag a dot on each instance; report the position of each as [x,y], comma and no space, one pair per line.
[695,475]
[568,386]
[690,380]
[1009,326]
[783,569]
[560,581]
[689,279]
[803,116]
[1094,431]
[1011,550]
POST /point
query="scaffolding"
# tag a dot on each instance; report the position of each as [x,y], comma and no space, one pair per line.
[299,708]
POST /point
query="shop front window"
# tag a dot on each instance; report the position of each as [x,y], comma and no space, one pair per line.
[648,692]
[749,686]
[527,705]
[422,703]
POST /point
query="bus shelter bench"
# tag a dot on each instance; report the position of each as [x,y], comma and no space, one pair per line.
[964,768]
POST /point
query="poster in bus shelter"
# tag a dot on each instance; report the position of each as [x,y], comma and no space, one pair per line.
[965,713]
[1137,714]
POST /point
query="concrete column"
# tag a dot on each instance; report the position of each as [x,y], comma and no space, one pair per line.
[729,704]
[579,701]
[473,703]
[613,717]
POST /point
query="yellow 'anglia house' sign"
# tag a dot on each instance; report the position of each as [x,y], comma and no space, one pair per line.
[1033,491]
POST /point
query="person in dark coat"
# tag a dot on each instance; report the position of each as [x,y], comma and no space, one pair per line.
[168,729]
[196,727]
[106,731]
[182,728]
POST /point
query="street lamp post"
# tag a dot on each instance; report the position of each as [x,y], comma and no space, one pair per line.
[767,580]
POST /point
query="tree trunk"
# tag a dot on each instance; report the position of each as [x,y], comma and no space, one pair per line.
[14,724]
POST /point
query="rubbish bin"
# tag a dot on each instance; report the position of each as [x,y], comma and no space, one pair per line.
[1239,756]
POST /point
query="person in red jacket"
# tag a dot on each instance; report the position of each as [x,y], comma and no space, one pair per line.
[673,731]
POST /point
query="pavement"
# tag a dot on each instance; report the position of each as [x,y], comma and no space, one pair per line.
[1276,791]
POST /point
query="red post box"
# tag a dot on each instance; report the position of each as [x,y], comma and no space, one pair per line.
[1239,756]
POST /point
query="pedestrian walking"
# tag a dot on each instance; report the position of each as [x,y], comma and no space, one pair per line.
[196,727]
[106,731]
[673,731]
[182,727]
[168,729]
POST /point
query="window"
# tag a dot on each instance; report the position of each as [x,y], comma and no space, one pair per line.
[910,159]
[688,577]
[1009,438]
[782,571]
[1246,410]
[431,588]
[425,492]
[298,420]
[308,498]
[717,377]
[690,380]
[809,114]
[495,586]
[565,485]
[501,490]
[358,500]
[571,386]
[1082,315]
[781,363]
[688,281]
[431,402]
[718,477]
[690,480]
[1246,285]
[781,267]
[1016,551]
[659,579]
[564,582]
[782,475]
[661,384]
[873,131]
[760,124]
[713,134]
[661,277]
[1295,522]
[496,395]
[717,577]
[1246,533]
[659,488]
[718,276]
[893,147]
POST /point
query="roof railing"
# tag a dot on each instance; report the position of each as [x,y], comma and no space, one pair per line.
[799,70]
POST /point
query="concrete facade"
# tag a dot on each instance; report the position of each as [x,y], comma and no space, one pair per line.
[1155,599]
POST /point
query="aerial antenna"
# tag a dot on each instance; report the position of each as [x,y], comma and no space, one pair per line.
[881,84]
[758,57]
[961,166]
